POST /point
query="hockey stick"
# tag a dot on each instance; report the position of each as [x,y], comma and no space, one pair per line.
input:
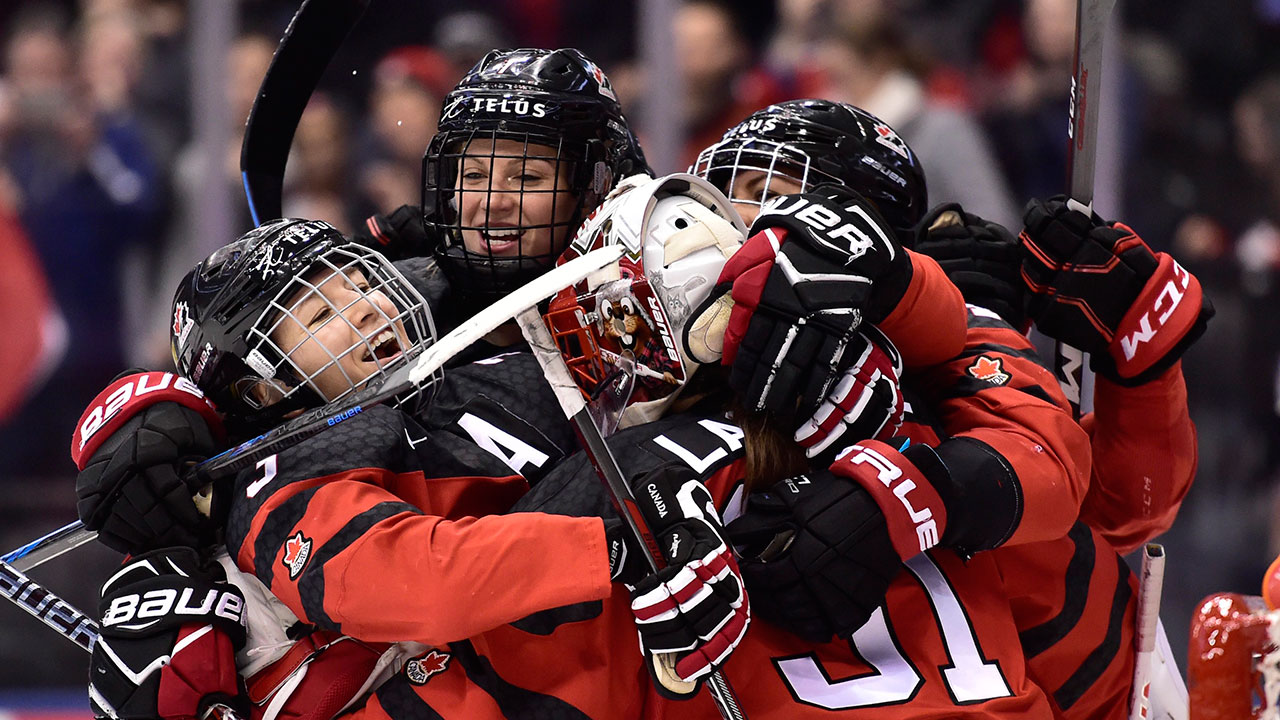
[69,622]
[312,39]
[46,607]
[1150,586]
[575,408]
[1070,364]
[414,374]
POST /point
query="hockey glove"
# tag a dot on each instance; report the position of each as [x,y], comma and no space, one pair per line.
[1099,287]
[982,258]
[866,402]
[132,445]
[816,265]
[691,614]
[905,487]
[399,235]
[170,629]
[816,555]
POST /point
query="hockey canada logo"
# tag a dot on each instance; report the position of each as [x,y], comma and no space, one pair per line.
[990,370]
[420,670]
[297,551]
[182,324]
[888,138]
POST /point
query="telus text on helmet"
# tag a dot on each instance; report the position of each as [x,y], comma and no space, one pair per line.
[504,106]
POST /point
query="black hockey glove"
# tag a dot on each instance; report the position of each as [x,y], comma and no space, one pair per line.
[815,267]
[398,235]
[691,614]
[1099,287]
[133,445]
[170,628]
[816,555]
[982,258]
[864,402]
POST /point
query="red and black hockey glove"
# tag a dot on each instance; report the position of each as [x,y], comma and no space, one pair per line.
[398,235]
[864,402]
[170,629]
[1099,287]
[981,258]
[691,614]
[816,555]
[815,267]
[904,488]
[132,445]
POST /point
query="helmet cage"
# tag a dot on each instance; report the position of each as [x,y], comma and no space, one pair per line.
[721,164]
[348,280]
[573,170]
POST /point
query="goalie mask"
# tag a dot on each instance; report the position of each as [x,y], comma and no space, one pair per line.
[810,142]
[620,330]
[292,316]
[530,141]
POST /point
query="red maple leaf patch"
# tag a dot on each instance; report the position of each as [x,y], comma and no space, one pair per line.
[420,670]
[990,370]
[297,551]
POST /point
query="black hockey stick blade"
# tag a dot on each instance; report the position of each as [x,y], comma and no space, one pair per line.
[309,43]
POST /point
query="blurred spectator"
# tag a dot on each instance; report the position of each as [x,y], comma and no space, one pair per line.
[722,84]
[408,86]
[868,63]
[33,330]
[89,190]
[465,37]
[246,63]
[316,178]
[1030,111]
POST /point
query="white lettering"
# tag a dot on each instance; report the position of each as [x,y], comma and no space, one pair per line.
[494,439]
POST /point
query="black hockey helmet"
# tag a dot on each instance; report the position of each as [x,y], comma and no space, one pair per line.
[560,107]
[818,141]
[227,311]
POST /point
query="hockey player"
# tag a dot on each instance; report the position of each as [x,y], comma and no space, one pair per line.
[289,316]
[1146,437]
[794,145]
[944,643]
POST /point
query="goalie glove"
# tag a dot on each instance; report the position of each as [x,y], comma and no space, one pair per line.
[691,614]
[1099,287]
[981,258]
[132,445]
[815,267]
[816,555]
[170,629]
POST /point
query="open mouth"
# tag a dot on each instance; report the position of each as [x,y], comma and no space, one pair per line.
[384,346]
[502,239]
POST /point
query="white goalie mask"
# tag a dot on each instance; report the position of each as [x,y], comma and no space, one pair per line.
[620,329]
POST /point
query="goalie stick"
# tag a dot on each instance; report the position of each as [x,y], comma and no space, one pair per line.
[414,374]
[606,466]
[1070,364]
[310,41]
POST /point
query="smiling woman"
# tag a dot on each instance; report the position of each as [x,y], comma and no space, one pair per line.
[530,142]
[292,316]
[513,199]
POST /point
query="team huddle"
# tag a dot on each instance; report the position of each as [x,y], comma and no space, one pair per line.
[870,492]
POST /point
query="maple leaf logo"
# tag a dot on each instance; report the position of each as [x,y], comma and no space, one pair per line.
[297,551]
[420,670]
[990,370]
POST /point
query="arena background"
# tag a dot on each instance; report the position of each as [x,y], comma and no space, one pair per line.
[120,125]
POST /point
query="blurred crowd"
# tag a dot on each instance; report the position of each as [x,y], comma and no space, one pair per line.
[100,180]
